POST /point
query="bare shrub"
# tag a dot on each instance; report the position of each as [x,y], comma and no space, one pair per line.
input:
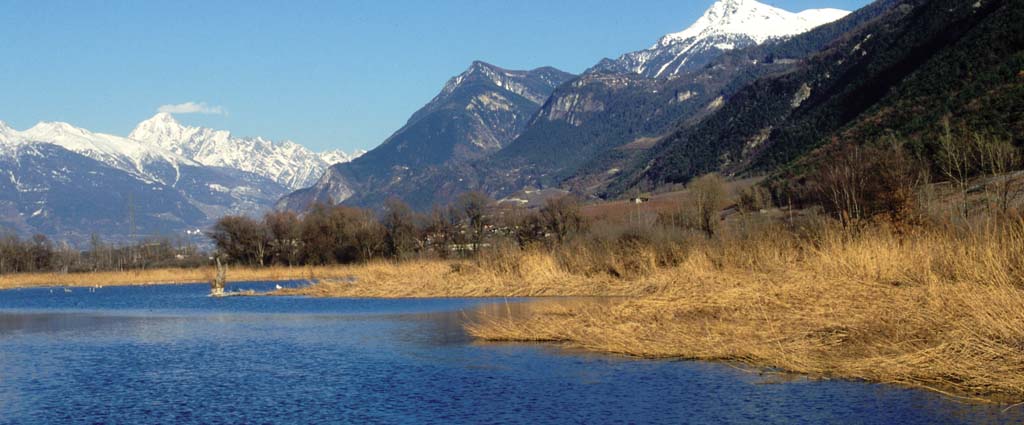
[707,198]
[862,182]
[754,198]
[561,217]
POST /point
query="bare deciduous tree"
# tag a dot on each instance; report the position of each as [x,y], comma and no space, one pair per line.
[999,158]
[562,218]
[956,161]
[473,206]
[708,197]
[400,227]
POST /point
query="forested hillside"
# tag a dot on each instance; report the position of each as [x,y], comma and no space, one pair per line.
[920,64]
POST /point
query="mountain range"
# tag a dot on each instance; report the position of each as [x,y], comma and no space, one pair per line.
[68,182]
[585,118]
[287,163]
[748,89]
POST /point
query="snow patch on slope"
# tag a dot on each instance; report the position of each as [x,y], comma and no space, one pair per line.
[504,78]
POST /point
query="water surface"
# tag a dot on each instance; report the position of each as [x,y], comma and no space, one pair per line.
[169,354]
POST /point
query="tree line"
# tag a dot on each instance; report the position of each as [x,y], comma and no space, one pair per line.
[39,254]
[322,236]
[340,234]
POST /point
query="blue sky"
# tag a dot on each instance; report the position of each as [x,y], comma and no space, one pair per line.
[327,74]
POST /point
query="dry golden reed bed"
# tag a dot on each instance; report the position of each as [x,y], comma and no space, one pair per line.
[536,275]
[935,310]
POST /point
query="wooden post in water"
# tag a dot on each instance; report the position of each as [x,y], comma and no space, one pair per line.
[217,284]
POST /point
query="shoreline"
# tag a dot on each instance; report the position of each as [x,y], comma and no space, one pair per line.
[169,276]
[932,310]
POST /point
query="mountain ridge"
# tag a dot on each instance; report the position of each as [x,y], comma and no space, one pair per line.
[476,113]
[288,163]
[67,181]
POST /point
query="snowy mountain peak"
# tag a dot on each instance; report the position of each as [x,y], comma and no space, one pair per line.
[162,119]
[726,25]
[164,130]
[8,135]
[5,129]
[157,146]
[146,161]
[754,19]
[45,130]
[338,156]
[478,69]
[479,65]
[287,163]
[529,84]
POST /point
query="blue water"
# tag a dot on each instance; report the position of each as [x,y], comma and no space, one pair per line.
[169,354]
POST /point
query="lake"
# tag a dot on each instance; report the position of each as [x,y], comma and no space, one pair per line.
[170,354]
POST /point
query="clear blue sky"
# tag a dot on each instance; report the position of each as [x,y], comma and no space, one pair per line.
[327,74]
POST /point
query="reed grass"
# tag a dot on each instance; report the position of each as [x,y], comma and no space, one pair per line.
[532,274]
[935,309]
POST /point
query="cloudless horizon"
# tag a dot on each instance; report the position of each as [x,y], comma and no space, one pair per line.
[328,75]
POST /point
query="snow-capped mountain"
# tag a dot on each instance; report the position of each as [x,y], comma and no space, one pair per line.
[287,163]
[8,135]
[144,160]
[338,156]
[727,25]
[69,182]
